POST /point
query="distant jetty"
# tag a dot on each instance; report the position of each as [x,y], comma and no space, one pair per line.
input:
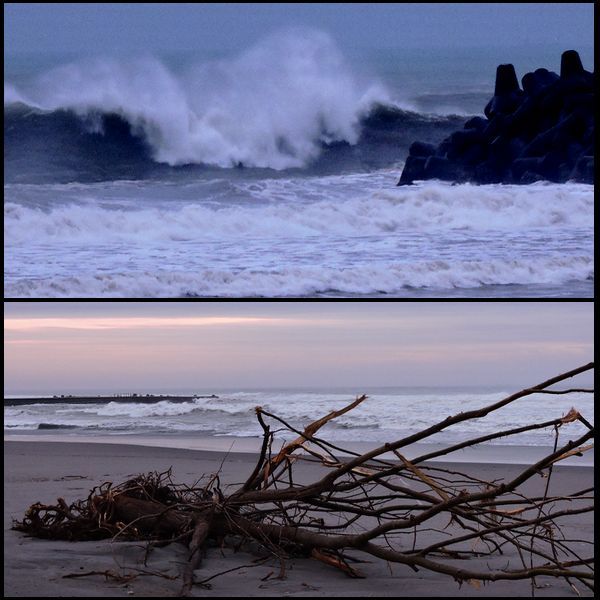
[74,399]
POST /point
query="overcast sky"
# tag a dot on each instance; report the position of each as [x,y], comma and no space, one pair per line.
[113,28]
[129,346]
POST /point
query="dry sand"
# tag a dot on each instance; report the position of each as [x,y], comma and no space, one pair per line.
[43,471]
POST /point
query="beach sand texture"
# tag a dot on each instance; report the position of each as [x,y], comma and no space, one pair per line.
[43,471]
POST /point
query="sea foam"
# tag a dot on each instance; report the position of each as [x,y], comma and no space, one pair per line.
[343,205]
[391,414]
[347,235]
[273,105]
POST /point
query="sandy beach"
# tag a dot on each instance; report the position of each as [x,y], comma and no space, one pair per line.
[43,471]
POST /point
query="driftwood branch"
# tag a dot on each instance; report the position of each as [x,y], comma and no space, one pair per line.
[379,503]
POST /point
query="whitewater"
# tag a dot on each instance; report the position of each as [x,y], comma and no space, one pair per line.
[389,413]
[271,173]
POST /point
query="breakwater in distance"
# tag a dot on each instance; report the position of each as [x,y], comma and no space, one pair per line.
[73,399]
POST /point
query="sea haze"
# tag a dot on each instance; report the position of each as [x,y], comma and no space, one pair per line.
[271,171]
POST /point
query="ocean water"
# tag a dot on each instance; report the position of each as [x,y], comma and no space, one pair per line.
[271,173]
[387,415]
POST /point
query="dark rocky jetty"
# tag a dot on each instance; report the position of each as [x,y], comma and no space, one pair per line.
[542,131]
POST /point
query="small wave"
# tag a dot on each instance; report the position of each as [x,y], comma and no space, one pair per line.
[385,417]
[394,278]
[348,210]
[355,425]
[163,408]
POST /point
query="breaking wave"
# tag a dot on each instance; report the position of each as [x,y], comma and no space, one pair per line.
[342,237]
[391,414]
[269,107]
[393,278]
[277,105]
[342,206]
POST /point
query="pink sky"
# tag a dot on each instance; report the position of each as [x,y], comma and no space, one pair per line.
[111,347]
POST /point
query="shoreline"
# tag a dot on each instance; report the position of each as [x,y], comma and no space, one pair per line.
[481,454]
[43,471]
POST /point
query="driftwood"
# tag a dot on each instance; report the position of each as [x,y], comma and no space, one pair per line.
[377,503]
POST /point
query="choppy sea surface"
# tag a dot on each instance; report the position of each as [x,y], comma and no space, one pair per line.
[270,173]
[387,415]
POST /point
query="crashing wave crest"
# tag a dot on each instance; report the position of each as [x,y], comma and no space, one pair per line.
[273,106]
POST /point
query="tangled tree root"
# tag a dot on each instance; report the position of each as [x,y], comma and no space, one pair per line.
[372,503]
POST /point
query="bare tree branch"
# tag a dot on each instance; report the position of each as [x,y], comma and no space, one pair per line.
[380,503]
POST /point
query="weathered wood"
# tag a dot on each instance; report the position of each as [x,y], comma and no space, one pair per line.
[148,516]
[202,527]
[361,503]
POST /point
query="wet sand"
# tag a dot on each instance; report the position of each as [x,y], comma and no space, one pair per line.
[43,471]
